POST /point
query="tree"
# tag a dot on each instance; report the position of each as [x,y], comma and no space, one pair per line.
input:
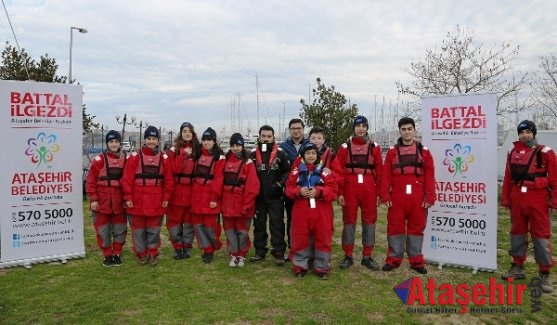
[459,66]
[328,111]
[545,93]
[18,65]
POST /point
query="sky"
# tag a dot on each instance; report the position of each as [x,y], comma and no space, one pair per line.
[166,62]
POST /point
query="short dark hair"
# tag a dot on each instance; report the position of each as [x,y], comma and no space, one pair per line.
[406,120]
[317,129]
[296,120]
[266,128]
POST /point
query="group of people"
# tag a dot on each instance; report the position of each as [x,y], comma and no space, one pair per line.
[194,183]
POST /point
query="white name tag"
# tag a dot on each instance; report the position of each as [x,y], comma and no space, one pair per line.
[360,179]
[264,147]
[312,203]
[408,188]
[523,189]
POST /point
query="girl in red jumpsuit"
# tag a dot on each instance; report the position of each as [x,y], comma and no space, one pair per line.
[313,189]
[206,193]
[182,156]
[147,185]
[107,202]
[241,186]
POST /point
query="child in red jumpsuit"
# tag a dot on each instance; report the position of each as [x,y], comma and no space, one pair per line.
[107,202]
[206,193]
[313,188]
[183,157]
[147,185]
[241,186]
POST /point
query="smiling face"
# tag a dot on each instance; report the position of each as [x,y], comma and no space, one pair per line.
[310,156]
[187,135]
[151,142]
[525,136]
[236,148]
[360,129]
[113,145]
[318,139]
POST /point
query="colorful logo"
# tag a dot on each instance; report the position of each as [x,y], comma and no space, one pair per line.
[42,148]
[458,159]
[402,290]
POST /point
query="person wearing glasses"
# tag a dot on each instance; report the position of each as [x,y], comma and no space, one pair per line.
[293,146]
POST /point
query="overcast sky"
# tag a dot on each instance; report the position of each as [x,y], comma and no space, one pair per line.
[165,62]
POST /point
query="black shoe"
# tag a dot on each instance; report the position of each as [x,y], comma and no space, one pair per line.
[257,258]
[279,261]
[324,276]
[153,260]
[178,254]
[347,262]
[186,253]
[421,270]
[107,262]
[300,274]
[387,267]
[143,260]
[207,258]
[368,262]
[116,260]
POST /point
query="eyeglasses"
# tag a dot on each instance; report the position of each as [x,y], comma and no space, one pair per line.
[296,129]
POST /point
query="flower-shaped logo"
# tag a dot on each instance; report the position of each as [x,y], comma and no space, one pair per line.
[458,159]
[42,148]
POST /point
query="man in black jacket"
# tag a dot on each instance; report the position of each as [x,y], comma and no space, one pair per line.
[273,166]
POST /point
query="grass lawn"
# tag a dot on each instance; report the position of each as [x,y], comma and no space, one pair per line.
[190,292]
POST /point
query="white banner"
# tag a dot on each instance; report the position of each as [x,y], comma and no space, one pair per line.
[461,132]
[41,182]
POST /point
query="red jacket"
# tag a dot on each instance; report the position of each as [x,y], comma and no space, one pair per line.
[520,155]
[395,177]
[147,194]
[207,184]
[326,192]
[183,167]
[103,184]
[240,189]
[346,174]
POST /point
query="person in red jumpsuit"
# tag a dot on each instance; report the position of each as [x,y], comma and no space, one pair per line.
[182,156]
[358,165]
[107,202]
[529,192]
[241,187]
[407,188]
[206,195]
[312,187]
[147,185]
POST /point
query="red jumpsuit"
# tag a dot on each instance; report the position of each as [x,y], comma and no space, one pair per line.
[207,187]
[147,182]
[241,187]
[178,216]
[407,181]
[312,230]
[529,190]
[358,166]
[103,185]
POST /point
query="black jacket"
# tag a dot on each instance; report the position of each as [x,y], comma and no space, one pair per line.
[272,175]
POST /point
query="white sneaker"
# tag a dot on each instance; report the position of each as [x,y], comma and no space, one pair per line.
[233,261]
[241,261]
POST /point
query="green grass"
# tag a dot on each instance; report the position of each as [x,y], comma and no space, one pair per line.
[190,292]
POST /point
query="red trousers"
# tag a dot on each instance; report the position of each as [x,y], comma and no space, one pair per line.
[146,235]
[236,229]
[111,230]
[207,231]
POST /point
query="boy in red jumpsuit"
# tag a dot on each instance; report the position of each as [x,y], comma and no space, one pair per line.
[182,156]
[241,186]
[408,190]
[313,188]
[147,185]
[206,193]
[529,192]
[107,202]
[358,166]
